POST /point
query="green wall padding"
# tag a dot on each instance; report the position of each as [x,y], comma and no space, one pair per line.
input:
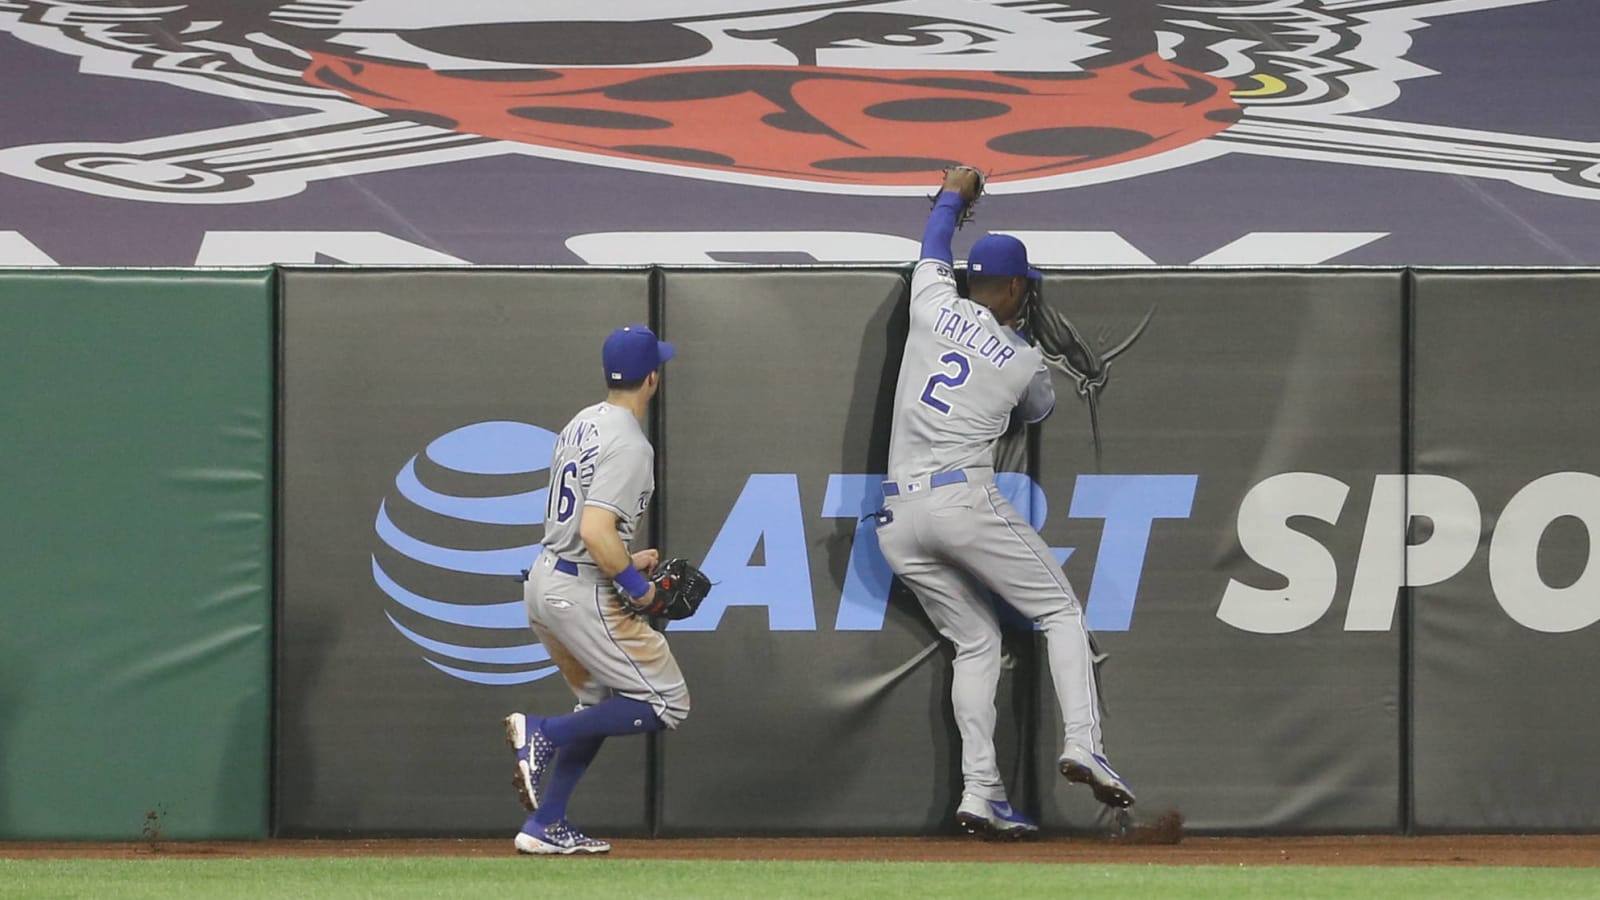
[136,416]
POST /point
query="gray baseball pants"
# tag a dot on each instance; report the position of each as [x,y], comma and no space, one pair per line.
[952,545]
[600,648]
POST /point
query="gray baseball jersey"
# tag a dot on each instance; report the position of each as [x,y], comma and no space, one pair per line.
[962,375]
[602,459]
[953,542]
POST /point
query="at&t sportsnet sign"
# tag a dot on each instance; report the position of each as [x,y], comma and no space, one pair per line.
[449,572]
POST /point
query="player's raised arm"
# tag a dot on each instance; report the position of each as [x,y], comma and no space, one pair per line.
[961,188]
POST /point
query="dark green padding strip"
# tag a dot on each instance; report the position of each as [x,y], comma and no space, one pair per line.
[136,562]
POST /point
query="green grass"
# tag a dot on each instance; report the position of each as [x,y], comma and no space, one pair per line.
[571,879]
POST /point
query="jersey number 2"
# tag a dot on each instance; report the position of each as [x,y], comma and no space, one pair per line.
[563,499]
[946,379]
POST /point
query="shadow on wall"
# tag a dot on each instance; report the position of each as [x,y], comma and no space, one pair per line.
[297,674]
[871,413]
[13,688]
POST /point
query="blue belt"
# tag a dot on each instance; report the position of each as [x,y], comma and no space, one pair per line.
[954,476]
[564,566]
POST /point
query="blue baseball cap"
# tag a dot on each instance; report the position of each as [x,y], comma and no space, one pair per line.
[1000,254]
[632,352]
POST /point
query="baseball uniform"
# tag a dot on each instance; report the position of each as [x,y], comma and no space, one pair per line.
[603,459]
[948,533]
[621,670]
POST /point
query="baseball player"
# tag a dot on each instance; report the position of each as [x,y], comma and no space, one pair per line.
[622,671]
[950,535]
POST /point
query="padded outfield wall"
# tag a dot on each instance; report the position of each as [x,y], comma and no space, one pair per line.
[1288,544]
[1332,526]
[136,455]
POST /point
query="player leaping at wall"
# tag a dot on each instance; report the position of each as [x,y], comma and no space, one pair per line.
[946,530]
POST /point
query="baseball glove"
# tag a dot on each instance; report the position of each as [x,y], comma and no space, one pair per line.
[680,589]
[967,208]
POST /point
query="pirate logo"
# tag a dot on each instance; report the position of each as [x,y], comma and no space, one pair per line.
[858,96]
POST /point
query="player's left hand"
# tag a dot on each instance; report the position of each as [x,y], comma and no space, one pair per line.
[964,180]
[647,560]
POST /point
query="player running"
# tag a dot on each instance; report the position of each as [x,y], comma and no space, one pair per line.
[950,535]
[622,671]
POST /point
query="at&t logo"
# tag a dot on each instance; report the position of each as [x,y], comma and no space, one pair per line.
[463,517]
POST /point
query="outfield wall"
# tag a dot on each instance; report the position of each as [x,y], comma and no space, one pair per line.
[136,570]
[1330,524]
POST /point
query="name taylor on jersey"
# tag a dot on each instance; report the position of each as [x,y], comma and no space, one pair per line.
[965,332]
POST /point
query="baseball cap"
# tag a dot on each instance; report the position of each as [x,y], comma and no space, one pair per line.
[1000,254]
[632,352]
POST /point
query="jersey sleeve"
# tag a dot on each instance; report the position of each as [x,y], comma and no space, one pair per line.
[932,284]
[941,227]
[933,281]
[1039,397]
[622,481]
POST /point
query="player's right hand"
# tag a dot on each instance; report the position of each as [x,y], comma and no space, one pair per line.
[646,560]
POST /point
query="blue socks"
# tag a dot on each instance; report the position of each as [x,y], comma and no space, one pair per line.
[578,737]
[571,762]
[612,716]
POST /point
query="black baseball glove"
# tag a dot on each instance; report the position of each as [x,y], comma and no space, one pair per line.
[680,589]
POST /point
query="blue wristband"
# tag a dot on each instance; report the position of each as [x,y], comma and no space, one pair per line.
[632,583]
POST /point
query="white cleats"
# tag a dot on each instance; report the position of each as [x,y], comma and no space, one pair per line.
[1080,766]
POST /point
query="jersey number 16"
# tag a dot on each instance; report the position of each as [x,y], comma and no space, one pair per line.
[563,501]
